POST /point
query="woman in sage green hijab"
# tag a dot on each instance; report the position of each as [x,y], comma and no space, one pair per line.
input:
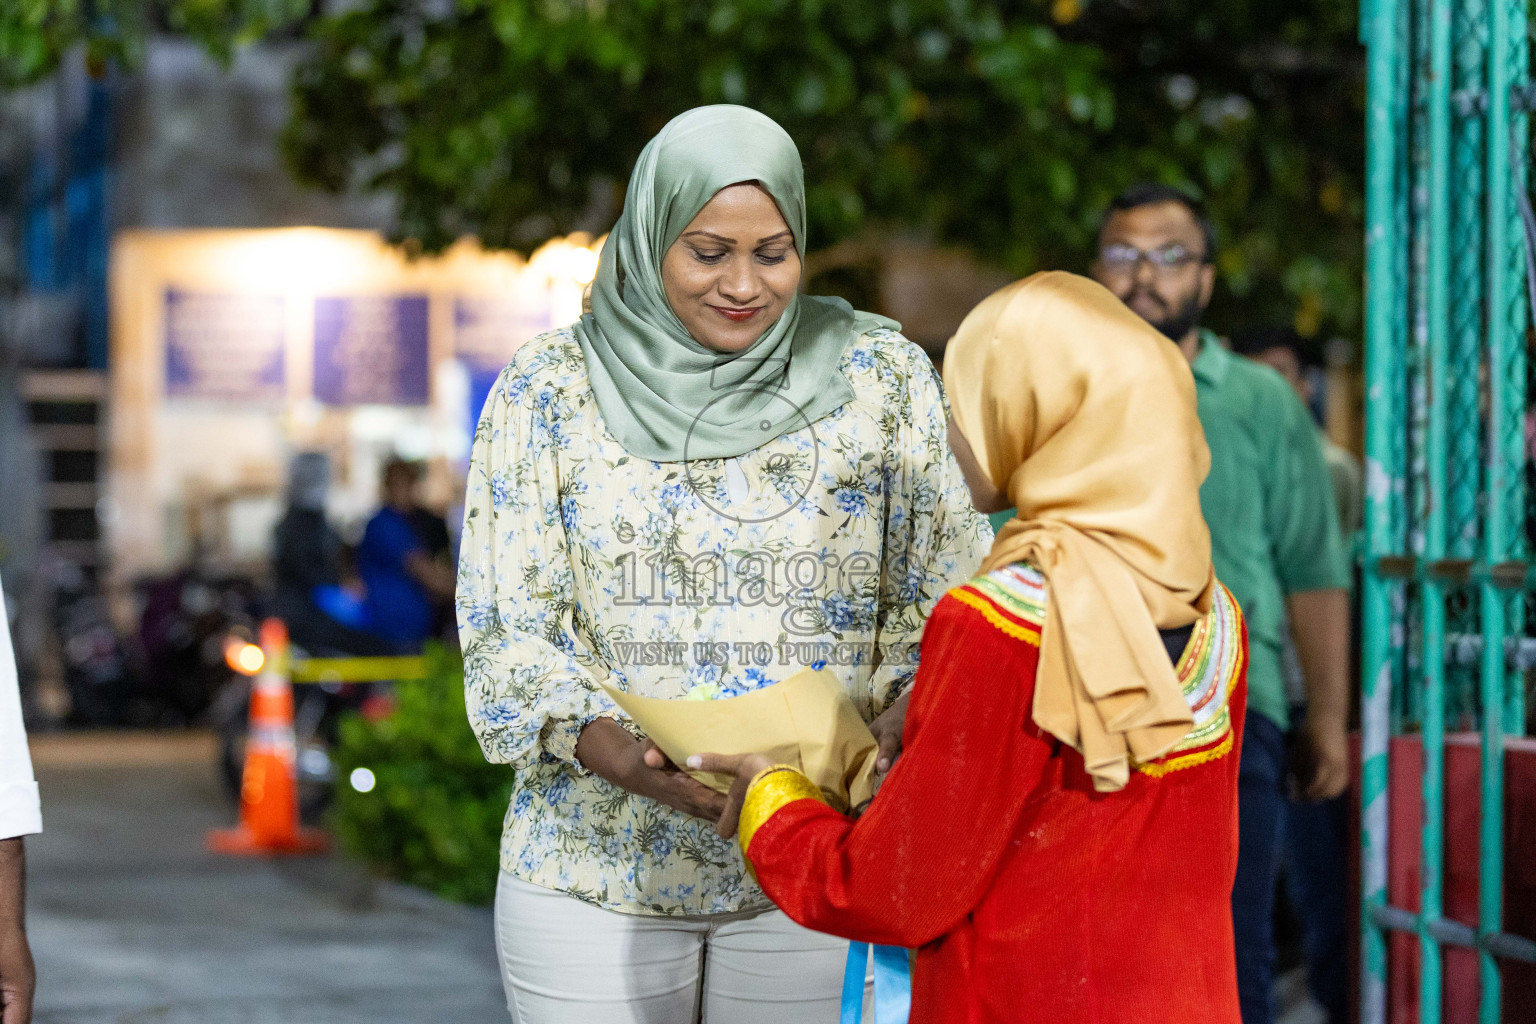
[707,483]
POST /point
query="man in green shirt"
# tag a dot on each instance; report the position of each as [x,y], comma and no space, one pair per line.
[1317,839]
[1274,540]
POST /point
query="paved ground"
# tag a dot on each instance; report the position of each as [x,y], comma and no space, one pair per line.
[132,922]
[1293,1005]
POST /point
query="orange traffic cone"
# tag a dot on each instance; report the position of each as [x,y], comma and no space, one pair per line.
[269,796]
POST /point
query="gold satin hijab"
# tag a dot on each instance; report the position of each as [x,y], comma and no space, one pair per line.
[1085,416]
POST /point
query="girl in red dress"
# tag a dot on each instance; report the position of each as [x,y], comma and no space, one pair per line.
[1058,838]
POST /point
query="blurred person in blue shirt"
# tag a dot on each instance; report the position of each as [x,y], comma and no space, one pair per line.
[404,562]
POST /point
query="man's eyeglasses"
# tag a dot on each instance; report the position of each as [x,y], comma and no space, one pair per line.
[1165,259]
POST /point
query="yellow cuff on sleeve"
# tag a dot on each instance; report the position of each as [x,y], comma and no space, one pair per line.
[771,789]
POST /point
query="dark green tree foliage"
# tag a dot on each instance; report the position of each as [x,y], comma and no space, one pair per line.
[434,816]
[502,117]
[1258,105]
[35,34]
[1001,125]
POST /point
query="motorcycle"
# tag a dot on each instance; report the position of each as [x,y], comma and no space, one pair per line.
[160,669]
[103,688]
[187,620]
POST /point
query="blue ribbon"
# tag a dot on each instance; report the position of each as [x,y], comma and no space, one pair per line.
[893,984]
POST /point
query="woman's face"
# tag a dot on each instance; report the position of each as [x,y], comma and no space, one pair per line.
[733,271]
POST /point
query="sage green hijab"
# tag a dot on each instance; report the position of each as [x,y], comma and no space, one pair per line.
[664,396]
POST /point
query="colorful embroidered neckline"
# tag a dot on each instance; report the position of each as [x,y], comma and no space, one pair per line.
[1013,599]
[1208,669]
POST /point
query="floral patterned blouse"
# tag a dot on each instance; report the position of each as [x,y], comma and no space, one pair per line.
[581,563]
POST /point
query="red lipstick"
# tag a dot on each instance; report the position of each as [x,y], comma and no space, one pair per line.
[737,315]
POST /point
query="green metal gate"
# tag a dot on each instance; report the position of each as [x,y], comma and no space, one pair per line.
[1447,606]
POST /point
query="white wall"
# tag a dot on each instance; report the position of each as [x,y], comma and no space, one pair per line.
[194,467]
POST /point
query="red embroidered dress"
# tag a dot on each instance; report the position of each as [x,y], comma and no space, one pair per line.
[1028,895]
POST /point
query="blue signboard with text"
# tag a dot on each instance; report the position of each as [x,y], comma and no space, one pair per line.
[372,350]
[487,330]
[224,346]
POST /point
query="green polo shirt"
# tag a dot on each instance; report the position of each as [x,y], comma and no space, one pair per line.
[1270,504]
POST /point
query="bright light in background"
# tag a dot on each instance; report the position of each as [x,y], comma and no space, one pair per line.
[284,258]
[581,264]
[245,658]
[569,264]
[362,780]
[572,258]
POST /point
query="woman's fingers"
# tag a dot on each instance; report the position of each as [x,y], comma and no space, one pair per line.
[678,791]
[712,805]
[720,764]
[654,756]
[708,804]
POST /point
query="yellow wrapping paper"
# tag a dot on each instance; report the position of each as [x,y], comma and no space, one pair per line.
[805,721]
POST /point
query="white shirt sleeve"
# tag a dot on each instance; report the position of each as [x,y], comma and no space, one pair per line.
[20,813]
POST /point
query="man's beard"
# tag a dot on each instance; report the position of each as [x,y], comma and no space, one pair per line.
[1177,324]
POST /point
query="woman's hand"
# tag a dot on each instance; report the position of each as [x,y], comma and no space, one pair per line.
[607,750]
[887,729]
[745,767]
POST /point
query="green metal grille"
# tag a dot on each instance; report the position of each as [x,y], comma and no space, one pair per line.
[1448,603]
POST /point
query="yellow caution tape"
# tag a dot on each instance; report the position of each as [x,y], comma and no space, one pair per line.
[357,670]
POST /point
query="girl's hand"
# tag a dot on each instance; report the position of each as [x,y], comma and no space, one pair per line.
[745,767]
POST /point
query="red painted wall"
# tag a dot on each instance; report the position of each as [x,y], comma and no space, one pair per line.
[1462,811]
